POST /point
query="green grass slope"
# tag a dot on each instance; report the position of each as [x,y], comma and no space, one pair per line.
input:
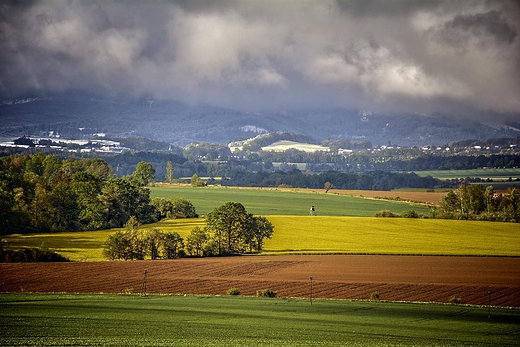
[277,202]
[124,320]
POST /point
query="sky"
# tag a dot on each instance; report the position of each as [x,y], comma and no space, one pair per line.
[431,56]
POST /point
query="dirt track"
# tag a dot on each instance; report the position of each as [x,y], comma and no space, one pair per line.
[407,278]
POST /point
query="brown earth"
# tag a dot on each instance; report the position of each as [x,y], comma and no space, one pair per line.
[396,278]
[433,198]
[425,197]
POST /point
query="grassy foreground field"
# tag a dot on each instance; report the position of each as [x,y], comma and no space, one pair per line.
[129,320]
[281,202]
[306,234]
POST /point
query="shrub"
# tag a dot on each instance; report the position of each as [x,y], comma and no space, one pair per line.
[233,291]
[385,213]
[267,293]
[454,300]
[30,255]
[374,296]
[410,214]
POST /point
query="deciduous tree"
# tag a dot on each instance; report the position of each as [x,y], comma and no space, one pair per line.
[328,186]
[144,173]
[228,223]
[173,245]
[169,172]
[234,230]
[196,181]
[196,242]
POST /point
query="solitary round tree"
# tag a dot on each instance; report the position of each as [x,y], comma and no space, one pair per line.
[143,174]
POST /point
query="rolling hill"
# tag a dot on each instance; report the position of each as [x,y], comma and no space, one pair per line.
[180,123]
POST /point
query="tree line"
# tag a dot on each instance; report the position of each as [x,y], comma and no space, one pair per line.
[229,229]
[453,162]
[211,160]
[477,202]
[371,180]
[43,193]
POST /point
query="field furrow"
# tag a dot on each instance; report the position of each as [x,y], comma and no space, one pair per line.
[394,278]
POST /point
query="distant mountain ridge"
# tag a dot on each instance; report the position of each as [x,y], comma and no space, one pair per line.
[179,124]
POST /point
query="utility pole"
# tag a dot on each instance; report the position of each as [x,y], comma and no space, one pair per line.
[310,293]
[143,287]
[489,303]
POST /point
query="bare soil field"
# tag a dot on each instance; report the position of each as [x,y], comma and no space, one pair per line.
[422,197]
[395,278]
[433,198]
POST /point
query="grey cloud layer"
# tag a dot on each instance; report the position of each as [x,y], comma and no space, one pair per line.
[422,56]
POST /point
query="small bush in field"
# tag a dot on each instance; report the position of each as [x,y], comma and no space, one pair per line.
[233,291]
[267,293]
[374,296]
[30,255]
[410,214]
[127,291]
[385,213]
[455,300]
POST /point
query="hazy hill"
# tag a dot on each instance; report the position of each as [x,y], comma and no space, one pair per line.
[180,123]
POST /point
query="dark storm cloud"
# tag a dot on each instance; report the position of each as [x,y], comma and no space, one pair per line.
[423,56]
[385,7]
[491,25]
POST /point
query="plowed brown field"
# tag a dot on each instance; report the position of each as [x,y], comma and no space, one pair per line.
[399,278]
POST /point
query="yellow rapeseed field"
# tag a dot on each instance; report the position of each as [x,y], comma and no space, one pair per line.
[323,234]
[392,236]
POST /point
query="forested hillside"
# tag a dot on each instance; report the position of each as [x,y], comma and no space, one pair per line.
[179,123]
[373,180]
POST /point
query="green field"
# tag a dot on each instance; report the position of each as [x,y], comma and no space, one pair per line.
[493,173]
[306,234]
[130,320]
[277,202]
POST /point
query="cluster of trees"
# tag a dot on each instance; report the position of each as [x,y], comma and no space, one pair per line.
[173,208]
[134,243]
[210,151]
[229,229]
[42,193]
[480,203]
[372,180]
[233,230]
